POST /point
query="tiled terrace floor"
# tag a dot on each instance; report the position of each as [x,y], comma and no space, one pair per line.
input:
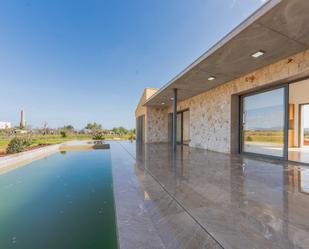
[201,199]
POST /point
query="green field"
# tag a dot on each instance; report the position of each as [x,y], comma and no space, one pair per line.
[264,136]
[54,139]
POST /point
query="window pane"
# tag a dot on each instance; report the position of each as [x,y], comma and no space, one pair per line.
[263,123]
[179,128]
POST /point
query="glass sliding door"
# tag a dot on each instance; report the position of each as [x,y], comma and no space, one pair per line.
[183,127]
[170,127]
[140,129]
[179,128]
[264,123]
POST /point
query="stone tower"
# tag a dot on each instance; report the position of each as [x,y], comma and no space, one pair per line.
[22,119]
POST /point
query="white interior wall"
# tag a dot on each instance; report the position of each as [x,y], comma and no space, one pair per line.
[298,94]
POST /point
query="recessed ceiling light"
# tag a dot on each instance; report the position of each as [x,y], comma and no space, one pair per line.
[258,54]
[211,78]
[162,103]
[172,98]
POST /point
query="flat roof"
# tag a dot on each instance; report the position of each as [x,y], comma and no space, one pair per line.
[280,28]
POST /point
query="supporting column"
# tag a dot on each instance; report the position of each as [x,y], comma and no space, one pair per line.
[174,137]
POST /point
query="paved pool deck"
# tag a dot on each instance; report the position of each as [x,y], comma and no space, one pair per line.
[201,199]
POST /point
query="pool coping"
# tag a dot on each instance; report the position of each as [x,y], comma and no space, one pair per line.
[13,161]
[135,229]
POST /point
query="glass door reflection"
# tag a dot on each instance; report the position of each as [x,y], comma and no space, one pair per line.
[263,123]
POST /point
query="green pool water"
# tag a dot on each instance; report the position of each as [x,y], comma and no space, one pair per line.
[64,201]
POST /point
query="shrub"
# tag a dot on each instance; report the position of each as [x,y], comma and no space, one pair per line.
[98,136]
[18,144]
[63,134]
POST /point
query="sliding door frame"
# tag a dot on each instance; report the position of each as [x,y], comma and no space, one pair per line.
[286,121]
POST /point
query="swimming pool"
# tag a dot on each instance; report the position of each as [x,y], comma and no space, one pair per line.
[63,201]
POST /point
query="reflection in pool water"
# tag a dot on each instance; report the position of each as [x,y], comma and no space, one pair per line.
[63,201]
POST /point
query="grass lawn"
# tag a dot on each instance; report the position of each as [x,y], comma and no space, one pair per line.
[264,136]
[3,144]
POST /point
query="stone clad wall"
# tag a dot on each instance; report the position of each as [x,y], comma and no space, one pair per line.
[210,112]
[156,125]
[141,109]
[209,119]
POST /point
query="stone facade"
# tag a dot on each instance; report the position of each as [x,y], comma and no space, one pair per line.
[210,112]
[141,110]
[209,119]
[157,125]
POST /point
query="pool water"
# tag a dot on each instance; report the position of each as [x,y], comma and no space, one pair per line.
[64,201]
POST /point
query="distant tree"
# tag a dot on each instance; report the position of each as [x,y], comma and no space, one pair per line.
[123,130]
[120,130]
[63,134]
[93,126]
[45,128]
[68,127]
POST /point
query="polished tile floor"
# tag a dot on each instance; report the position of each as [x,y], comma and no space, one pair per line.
[299,154]
[199,199]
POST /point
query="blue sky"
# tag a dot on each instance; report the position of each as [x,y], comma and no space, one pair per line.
[265,110]
[77,61]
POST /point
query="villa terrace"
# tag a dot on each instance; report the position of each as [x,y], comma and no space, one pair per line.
[220,159]
[199,199]
[222,153]
[164,199]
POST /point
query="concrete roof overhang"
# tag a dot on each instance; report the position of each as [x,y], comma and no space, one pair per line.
[280,28]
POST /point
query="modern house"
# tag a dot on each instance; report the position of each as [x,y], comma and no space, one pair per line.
[249,93]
